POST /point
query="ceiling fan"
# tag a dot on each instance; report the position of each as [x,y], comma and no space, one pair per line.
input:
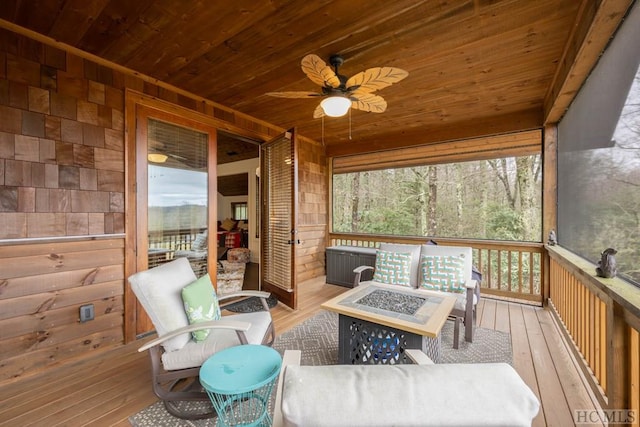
[341,93]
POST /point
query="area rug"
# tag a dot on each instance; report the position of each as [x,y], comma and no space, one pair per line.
[317,338]
[250,304]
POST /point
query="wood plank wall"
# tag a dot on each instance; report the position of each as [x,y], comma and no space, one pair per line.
[62,191]
[312,210]
[41,289]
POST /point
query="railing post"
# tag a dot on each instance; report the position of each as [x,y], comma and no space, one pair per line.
[545,281]
[549,199]
[617,357]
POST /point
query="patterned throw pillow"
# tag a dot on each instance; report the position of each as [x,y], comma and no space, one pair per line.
[201,304]
[228,224]
[393,268]
[442,273]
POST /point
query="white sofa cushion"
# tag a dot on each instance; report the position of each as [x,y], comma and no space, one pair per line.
[406,395]
[195,353]
[414,250]
[159,291]
[461,301]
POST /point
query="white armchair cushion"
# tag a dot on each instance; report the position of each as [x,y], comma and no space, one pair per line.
[414,250]
[194,353]
[461,302]
[159,291]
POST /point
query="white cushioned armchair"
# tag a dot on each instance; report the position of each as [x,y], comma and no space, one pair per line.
[432,267]
[177,353]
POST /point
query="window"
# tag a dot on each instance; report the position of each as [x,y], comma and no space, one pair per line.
[240,211]
[484,199]
[599,158]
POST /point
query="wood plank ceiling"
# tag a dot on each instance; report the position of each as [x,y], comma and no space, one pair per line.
[475,66]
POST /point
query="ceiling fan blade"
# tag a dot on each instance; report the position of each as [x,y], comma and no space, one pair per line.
[319,72]
[376,78]
[368,102]
[293,94]
[318,112]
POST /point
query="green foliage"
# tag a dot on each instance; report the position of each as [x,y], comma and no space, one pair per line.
[504,223]
[467,199]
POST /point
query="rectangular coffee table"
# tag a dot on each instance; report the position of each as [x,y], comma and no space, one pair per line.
[377,323]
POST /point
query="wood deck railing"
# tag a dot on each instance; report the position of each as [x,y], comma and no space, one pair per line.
[601,318]
[512,270]
[164,243]
[174,240]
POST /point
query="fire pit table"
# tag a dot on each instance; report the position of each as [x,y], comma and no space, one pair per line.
[377,324]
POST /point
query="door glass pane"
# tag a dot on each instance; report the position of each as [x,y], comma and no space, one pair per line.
[177,197]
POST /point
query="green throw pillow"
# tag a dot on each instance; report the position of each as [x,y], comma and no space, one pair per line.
[393,268]
[442,273]
[201,304]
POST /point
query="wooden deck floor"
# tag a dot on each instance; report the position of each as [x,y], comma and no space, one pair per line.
[105,390]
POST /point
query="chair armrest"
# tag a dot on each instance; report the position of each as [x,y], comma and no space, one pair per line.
[213,324]
[475,286]
[291,357]
[468,309]
[358,271]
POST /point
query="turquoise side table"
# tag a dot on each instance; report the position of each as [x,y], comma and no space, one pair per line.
[239,381]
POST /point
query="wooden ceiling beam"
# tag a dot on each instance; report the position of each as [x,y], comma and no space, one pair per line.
[508,123]
[596,23]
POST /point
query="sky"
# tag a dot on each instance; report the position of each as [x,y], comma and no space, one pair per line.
[176,187]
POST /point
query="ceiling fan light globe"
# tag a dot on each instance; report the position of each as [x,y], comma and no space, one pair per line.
[157,157]
[335,106]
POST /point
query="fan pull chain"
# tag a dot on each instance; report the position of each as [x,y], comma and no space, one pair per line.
[323,130]
[349,123]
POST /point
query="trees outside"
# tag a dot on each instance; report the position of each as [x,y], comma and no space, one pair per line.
[487,199]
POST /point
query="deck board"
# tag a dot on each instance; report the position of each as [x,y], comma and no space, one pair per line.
[113,385]
[522,359]
[502,317]
[574,386]
[557,412]
[488,319]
